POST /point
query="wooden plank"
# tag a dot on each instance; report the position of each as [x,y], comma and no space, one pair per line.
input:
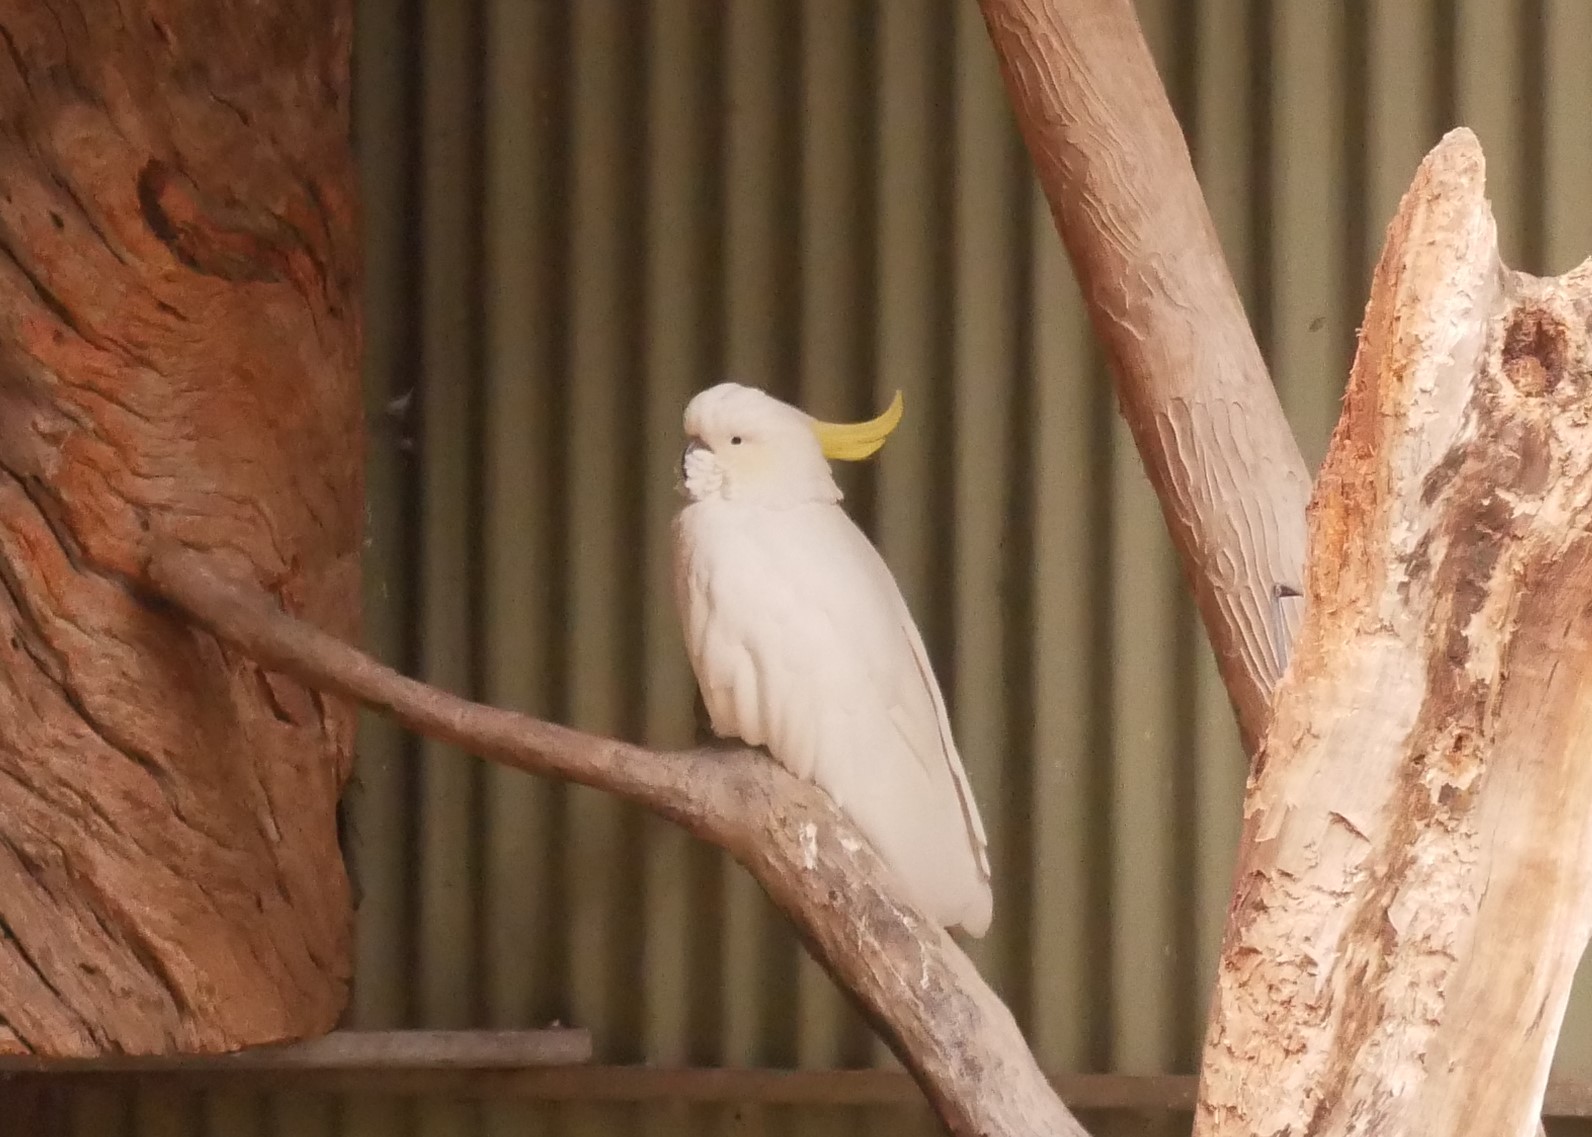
[396,1051]
[614,1084]
[39,1110]
[427,1069]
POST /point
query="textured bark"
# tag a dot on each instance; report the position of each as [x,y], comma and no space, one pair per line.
[179,345]
[903,970]
[1415,886]
[1190,378]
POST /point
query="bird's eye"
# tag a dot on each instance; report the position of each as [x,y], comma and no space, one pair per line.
[736,441]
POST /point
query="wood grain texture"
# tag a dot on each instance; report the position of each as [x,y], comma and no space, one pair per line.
[1415,882]
[179,346]
[396,1051]
[1190,378]
[905,972]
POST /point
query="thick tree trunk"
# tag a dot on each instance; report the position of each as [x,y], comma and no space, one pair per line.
[179,345]
[1414,888]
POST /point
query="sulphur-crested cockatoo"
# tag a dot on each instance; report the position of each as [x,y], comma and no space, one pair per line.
[802,643]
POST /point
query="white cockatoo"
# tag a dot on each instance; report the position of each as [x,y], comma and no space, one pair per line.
[802,643]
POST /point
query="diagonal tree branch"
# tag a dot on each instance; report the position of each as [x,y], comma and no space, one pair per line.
[906,973]
[1191,381]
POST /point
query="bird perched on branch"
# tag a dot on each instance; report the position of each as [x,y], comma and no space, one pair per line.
[802,643]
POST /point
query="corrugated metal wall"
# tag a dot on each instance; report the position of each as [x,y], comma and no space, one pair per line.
[579,213]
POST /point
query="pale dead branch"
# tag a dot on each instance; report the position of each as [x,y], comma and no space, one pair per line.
[1414,887]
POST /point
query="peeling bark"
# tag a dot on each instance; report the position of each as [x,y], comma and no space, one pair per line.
[179,345]
[1415,881]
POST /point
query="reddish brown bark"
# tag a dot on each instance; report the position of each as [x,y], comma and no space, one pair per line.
[179,345]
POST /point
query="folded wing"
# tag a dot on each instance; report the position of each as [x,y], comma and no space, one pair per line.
[802,642]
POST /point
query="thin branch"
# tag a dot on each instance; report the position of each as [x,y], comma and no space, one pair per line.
[1191,381]
[907,974]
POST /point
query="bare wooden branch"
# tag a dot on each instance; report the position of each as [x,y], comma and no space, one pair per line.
[1414,890]
[905,972]
[1191,381]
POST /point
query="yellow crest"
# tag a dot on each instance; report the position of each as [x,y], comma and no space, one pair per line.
[854,441]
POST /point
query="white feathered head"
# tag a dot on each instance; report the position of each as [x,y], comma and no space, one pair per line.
[745,445]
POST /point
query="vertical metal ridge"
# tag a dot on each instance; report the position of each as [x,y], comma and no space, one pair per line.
[1567,141]
[447,803]
[601,852]
[833,379]
[911,329]
[1490,89]
[984,230]
[447,798]
[522,547]
[1017,588]
[756,999]
[1068,977]
[680,167]
[601,953]
[910,338]
[1354,281]
[1311,345]
[379,801]
[1531,106]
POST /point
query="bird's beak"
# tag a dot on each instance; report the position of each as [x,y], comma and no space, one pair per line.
[692,446]
[854,441]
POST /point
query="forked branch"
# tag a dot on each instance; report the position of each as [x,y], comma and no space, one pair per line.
[1414,887]
[907,974]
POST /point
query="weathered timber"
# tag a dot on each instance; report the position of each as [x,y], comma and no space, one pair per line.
[1414,888]
[403,1052]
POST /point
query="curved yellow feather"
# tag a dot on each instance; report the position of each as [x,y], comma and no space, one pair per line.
[854,441]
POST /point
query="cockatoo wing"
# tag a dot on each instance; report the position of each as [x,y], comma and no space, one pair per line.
[802,642]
